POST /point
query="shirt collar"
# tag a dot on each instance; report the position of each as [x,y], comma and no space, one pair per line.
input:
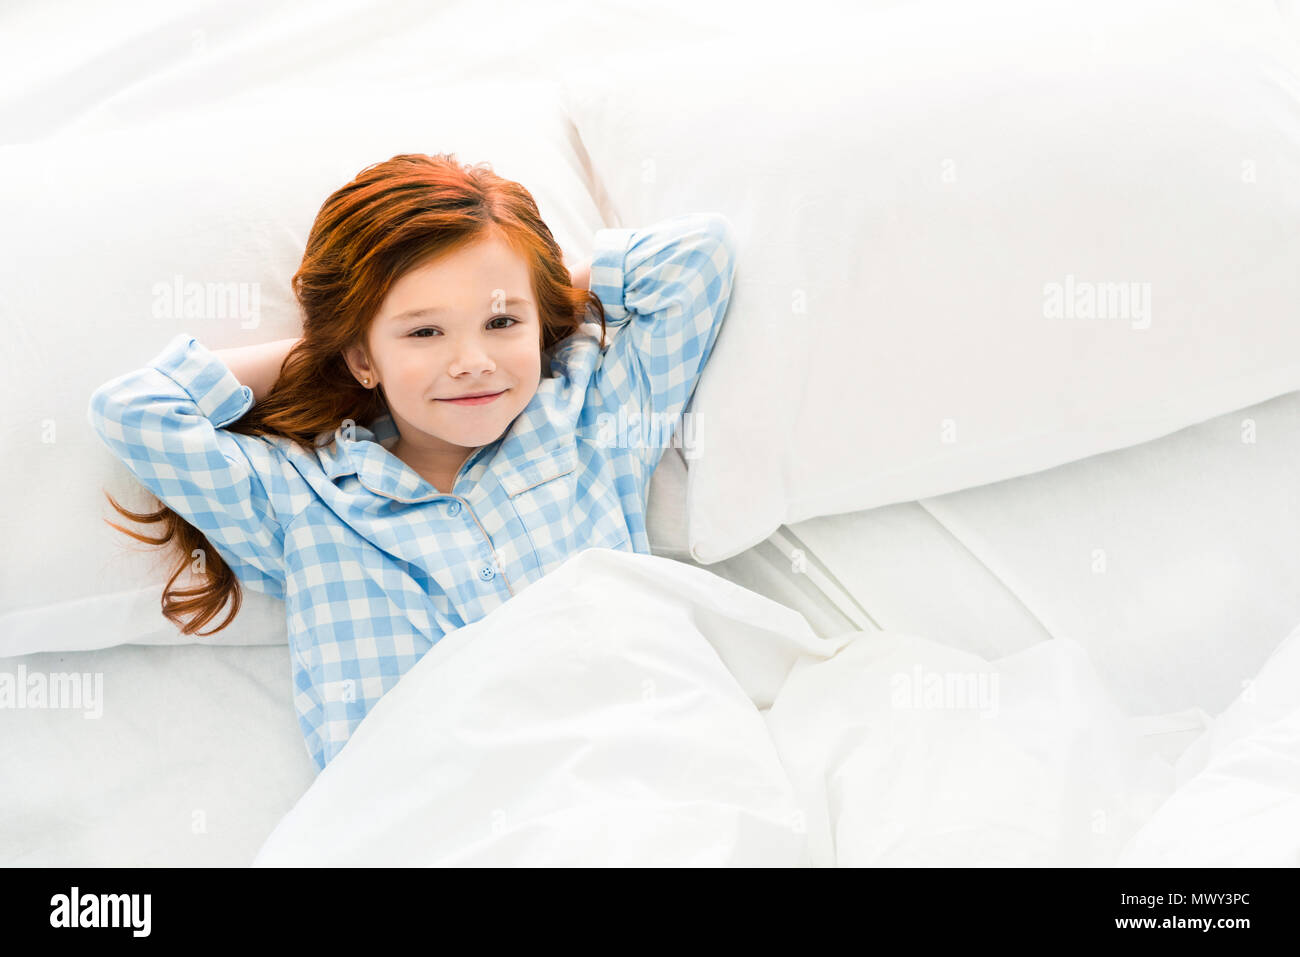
[539,445]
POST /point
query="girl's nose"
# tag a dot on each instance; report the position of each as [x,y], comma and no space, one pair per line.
[473,360]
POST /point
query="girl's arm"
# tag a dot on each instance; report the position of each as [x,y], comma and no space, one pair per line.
[257,366]
[665,288]
[166,423]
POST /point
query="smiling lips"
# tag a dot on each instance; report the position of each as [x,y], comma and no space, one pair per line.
[479,399]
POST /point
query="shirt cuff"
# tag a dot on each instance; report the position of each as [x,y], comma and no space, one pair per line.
[607,271]
[206,379]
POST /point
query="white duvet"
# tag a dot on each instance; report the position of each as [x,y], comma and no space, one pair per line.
[633,710]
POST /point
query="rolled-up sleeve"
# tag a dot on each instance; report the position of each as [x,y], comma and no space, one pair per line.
[166,423]
[665,291]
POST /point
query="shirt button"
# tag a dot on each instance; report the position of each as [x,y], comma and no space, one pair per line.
[453,509]
[487,573]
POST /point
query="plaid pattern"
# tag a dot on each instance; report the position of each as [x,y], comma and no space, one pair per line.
[373,563]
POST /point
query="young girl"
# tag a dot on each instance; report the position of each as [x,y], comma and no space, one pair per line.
[409,464]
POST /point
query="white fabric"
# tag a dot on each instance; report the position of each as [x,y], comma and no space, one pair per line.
[195,756]
[82,68]
[1238,803]
[1023,762]
[619,710]
[1173,563]
[606,714]
[665,514]
[909,187]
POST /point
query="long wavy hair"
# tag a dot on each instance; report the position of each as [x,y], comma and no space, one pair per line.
[391,218]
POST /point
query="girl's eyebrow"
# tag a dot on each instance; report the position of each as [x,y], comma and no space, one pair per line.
[429,311]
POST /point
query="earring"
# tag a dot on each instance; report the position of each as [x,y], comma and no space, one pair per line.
[365,381]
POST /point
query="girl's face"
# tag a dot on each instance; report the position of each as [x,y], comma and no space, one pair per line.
[463,324]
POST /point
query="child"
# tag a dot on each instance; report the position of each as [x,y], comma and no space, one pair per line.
[423,282]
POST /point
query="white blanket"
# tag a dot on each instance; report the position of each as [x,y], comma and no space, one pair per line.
[1238,800]
[633,710]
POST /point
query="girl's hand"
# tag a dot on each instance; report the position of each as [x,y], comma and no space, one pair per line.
[257,367]
[580,274]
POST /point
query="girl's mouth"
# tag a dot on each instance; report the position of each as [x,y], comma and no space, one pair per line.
[477,400]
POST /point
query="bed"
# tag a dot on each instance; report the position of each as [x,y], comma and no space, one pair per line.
[1139,601]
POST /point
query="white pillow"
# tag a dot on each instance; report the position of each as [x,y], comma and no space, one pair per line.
[98,221]
[917,191]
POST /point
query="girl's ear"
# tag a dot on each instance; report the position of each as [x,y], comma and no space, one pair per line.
[358,363]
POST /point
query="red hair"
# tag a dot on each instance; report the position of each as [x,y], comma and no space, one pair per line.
[392,217]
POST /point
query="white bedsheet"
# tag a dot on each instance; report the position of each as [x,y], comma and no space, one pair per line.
[1173,563]
[629,709]
[195,757]
[80,67]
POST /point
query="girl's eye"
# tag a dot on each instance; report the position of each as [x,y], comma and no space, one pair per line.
[511,319]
